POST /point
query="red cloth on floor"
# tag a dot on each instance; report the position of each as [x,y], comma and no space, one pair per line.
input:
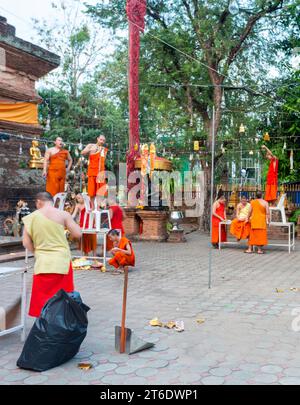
[45,286]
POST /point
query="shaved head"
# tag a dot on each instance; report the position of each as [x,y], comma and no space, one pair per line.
[101,140]
[58,142]
[44,196]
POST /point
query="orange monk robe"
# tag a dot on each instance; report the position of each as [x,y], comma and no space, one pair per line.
[272,181]
[215,225]
[56,175]
[258,232]
[88,242]
[239,227]
[120,258]
[96,173]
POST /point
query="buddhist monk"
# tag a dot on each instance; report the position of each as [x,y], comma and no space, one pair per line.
[55,167]
[240,226]
[260,218]
[218,215]
[116,218]
[272,177]
[96,169]
[123,254]
[44,234]
[88,242]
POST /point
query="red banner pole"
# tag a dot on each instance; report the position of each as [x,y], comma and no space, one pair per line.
[136,11]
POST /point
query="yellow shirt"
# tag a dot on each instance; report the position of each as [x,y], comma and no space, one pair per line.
[51,248]
[244,212]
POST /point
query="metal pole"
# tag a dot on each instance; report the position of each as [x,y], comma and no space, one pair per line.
[80,166]
[211,195]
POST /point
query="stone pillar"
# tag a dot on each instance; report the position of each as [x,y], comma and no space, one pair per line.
[131,223]
[154,225]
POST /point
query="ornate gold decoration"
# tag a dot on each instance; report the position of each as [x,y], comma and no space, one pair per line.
[242,129]
[36,161]
[159,164]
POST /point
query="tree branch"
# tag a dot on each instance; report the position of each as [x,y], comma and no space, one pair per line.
[156,16]
[249,27]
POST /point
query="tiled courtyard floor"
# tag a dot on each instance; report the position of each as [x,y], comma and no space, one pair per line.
[247,336]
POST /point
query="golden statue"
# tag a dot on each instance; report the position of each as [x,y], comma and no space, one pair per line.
[234,199]
[36,161]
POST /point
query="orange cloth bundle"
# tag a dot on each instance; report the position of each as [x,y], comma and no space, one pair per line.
[23,113]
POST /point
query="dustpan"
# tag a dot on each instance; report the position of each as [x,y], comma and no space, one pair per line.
[125,340]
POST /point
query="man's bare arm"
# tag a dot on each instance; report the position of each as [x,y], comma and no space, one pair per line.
[70,160]
[268,151]
[27,241]
[268,213]
[87,149]
[46,163]
[72,227]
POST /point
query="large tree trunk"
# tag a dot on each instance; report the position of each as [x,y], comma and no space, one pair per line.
[207,165]
[205,222]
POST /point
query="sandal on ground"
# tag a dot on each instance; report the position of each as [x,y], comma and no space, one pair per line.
[246,251]
[261,252]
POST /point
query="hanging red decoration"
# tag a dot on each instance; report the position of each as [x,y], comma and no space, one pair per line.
[136,11]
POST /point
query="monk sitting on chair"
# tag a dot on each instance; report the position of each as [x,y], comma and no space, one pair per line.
[122,252]
[272,177]
[55,167]
[260,218]
[240,226]
[218,215]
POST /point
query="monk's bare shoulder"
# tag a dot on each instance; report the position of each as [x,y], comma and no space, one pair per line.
[88,149]
[66,215]
[51,151]
[93,147]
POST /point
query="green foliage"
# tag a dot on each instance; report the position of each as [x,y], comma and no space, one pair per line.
[285,129]
[295,216]
[212,44]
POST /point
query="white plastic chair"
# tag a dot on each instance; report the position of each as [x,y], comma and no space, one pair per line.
[61,198]
[280,208]
[88,207]
[100,220]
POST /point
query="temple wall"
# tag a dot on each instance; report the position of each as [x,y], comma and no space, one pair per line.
[21,65]
[16,81]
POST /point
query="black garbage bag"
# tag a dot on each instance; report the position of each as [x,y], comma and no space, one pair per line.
[57,334]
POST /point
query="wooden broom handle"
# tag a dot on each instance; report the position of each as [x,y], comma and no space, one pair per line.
[123,332]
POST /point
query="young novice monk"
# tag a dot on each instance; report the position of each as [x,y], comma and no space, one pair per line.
[240,226]
[218,215]
[122,251]
[88,242]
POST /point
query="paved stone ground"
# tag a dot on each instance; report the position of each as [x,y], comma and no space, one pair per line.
[247,336]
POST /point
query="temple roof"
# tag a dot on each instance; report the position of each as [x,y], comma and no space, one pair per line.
[23,55]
